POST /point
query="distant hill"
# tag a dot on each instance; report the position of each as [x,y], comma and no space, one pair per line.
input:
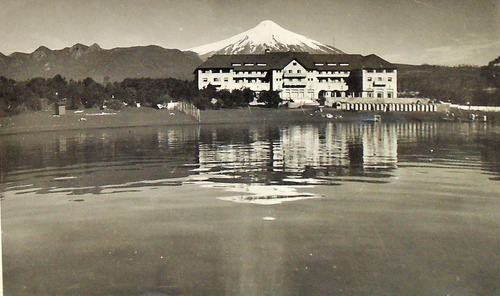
[80,61]
[265,36]
[459,84]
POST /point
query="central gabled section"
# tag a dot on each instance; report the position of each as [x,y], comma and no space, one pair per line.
[294,75]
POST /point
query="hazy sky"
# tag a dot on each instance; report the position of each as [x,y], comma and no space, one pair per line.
[447,32]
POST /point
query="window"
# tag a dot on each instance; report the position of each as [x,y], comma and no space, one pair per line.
[298,71]
[205,79]
[290,71]
[389,95]
[379,78]
[226,79]
[294,63]
[389,78]
[216,79]
[379,95]
[369,79]
[389,71]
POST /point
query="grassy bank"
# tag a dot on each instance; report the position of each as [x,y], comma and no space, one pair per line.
[90,118]
[132,117]
[308,115]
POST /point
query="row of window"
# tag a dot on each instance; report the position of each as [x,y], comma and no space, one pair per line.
[380,71]
[322,72]
[381,95]
[321,80]
[248,72]
[249,64]
[332,64]
[379,79]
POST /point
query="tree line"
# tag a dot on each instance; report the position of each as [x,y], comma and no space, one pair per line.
[42,93]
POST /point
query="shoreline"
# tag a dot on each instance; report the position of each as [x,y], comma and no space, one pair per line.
[46,121]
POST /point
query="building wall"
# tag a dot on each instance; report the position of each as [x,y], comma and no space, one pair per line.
[380,83]
[295,82]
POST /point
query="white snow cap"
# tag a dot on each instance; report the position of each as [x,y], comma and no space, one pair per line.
[266,35]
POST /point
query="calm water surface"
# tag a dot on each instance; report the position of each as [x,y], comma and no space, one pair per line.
[329,209]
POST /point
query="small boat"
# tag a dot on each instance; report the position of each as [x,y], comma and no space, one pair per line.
[376,118]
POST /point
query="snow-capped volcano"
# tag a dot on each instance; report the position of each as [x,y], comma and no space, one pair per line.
[266,35]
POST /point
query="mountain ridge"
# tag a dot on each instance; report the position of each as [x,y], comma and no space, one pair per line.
[81,61]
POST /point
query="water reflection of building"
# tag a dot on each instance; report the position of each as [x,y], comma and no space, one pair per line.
[380,146]
[331,149]
[247,155]
[337,145]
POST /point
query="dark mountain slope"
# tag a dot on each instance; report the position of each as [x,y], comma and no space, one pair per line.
[80,61]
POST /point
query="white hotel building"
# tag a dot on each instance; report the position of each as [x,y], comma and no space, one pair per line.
[302,77]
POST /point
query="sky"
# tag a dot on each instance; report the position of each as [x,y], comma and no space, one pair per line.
[441,32]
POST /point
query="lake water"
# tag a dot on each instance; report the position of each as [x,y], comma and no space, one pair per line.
[327,209]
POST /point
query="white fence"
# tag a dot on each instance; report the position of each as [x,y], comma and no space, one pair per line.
[476,108]
[388,107]
[189,109]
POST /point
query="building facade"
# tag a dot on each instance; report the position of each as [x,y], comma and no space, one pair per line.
[300,77]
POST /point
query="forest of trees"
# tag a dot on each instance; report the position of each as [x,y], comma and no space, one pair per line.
[41,94]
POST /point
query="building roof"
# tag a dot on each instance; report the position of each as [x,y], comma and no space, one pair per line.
[278,60]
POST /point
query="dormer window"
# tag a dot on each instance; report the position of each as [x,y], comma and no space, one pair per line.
[261,64]
[332,64]
[319,64]
[344,64]
[236,64]
[249,64]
